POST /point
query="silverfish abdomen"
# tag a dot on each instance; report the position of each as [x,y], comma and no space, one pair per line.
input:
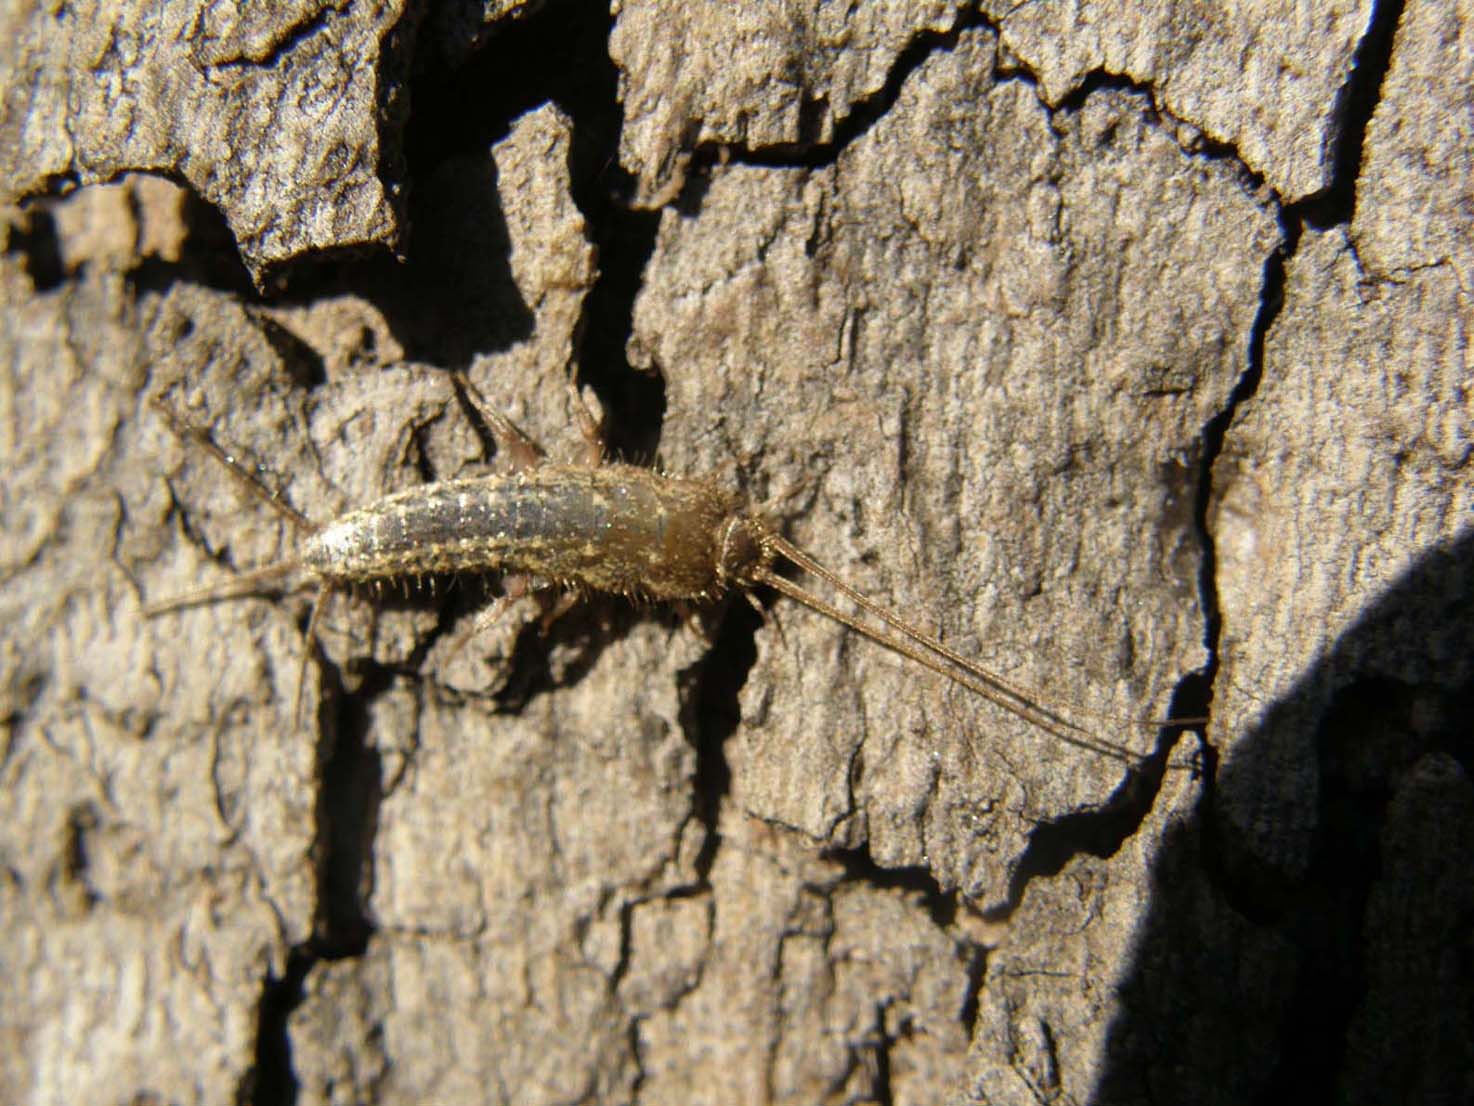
[614,528]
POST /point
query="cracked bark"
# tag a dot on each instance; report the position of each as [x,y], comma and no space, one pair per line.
[1112,363]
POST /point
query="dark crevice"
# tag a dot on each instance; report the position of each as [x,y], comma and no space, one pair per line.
[637,1080]
[710,714]
[863,114]
[1215,434]
[976,964]
[348,811]
[195,536]
[347,821]
[882,1092]
[302,364]
[35,239]
[578,638]
[1193,140]
[633,401]
[1102,831]
[860,866]
[420,455]
[271,1080]
[286,39]
[1093,84]
[560,55]
[209,255]
[1334,206]
[626,937]
[1356,100]
[81,822]
[1323,913]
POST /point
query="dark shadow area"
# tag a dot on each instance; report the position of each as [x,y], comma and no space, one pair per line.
[1356,101]
[860,866]
[1309,935]
[809,151]
[710,714]
[578,637]
[348,813]
[1098,832]
[1280,938]
[207,255]
[34,238]
[921,887]
[452,296]
[270,1081]
[347,822]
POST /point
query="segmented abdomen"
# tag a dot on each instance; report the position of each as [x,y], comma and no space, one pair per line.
[615,528]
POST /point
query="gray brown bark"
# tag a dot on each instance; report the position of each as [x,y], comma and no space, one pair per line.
[1126,350]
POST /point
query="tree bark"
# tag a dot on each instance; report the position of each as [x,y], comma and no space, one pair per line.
[1124,349]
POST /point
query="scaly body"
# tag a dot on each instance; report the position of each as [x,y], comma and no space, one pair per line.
[613,528]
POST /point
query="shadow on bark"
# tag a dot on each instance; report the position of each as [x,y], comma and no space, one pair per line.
[1309,933]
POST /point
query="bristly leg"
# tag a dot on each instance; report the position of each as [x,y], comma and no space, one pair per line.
[187,432]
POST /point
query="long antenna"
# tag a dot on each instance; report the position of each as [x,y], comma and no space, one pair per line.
[925,650]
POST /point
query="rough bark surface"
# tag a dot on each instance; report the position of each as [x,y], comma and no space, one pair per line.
[272,113]
[1126,350]
[752,76]
[1197,60]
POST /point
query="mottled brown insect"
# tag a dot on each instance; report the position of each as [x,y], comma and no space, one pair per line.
[607,527]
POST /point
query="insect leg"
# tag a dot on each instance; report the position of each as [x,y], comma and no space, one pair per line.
[521,451]
[767,616]
[555,610]
[591,428]
[691,618]
[248,480]
[514,587]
